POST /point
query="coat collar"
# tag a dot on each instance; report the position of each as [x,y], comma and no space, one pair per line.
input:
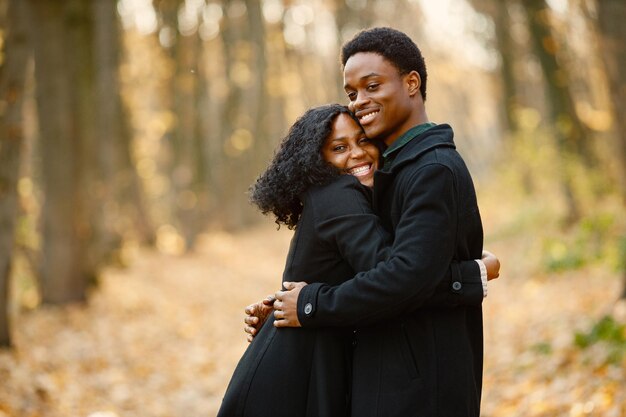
[440,136]
[435,137]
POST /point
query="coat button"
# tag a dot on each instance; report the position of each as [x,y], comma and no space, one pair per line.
[456,285]
[308,308]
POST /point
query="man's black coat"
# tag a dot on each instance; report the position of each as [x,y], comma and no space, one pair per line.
[305,372]
[423,362]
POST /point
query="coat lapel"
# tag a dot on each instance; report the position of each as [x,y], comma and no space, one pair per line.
[438,136]
[382,181]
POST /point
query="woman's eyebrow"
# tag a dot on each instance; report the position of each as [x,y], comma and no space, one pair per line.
[339,139]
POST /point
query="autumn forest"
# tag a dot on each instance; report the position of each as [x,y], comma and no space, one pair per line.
[131,131]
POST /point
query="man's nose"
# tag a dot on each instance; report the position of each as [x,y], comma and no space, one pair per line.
[359,101]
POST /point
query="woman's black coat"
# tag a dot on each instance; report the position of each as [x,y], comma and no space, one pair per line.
[423,362]
[307,372]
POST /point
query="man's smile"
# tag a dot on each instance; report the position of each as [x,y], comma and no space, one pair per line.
[366,116]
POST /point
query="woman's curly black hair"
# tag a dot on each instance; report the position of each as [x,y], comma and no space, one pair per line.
[297,165]
[394,46]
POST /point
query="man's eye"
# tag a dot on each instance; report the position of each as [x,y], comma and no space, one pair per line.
[371,87]
[351,95]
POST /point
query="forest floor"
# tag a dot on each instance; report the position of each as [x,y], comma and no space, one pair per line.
[161,337]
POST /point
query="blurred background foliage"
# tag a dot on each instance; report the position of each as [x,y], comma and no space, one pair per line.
[135,123]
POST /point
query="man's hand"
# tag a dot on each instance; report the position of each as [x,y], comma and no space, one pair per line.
[286,305]
[492,264]
[256,315]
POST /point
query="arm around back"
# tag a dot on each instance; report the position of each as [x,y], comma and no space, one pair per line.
[419,259]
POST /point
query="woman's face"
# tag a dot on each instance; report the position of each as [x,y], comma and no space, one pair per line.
[348,149]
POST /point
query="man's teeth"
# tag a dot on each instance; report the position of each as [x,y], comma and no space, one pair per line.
[368,116]
[360,170]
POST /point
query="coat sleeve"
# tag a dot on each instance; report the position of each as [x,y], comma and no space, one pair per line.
[344,220]
[415,269]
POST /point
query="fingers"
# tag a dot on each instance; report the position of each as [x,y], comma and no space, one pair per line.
[250,324]
[290,285]
[269,300]
[493,276]
[249,310]
[279,314]
[281,323]
[287,322]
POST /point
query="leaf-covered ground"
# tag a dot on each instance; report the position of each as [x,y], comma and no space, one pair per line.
[161,337]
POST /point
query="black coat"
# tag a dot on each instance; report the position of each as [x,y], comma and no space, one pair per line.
[306,372]
[422,362]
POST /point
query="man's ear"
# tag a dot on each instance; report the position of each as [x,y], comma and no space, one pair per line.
[413,82]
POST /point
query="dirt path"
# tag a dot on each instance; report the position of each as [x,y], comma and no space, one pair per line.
[161,338]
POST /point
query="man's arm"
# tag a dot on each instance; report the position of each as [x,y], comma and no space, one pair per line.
[421,253]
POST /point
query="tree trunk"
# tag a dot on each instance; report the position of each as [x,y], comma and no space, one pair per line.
[236,168]
[59,30]
[611,18]
[12,79]
[187,167]
[569,132]
[506,48]
[120,196]
[259,64]
[187,100]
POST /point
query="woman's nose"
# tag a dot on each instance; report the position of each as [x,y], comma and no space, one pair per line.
[357,152]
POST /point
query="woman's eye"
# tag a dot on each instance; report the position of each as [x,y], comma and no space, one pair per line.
[339,148]
[364,140]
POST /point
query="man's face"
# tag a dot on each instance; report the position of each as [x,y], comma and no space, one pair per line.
[379,96]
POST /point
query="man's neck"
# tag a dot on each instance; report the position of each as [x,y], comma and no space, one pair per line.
[417,118]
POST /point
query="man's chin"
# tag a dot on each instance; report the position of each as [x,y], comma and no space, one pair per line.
[372,132]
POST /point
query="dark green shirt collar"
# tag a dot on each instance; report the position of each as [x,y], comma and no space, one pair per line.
[390,154]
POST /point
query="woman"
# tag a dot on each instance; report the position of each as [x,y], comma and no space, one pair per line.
[337,234]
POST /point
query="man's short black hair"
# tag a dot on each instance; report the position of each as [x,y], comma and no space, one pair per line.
[395,46]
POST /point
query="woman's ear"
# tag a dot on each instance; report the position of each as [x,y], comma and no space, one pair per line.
[413,82]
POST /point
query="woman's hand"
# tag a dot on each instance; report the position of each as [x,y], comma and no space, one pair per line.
[492,264]
[256,315]
[286,305]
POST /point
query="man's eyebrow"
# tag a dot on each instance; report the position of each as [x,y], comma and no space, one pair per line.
[371,74]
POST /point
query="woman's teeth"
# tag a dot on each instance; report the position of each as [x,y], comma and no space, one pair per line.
[360,170]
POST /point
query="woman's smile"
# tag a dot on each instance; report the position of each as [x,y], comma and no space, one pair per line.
[360,170]
[349,150]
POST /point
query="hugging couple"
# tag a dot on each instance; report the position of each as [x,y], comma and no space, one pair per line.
[380,312]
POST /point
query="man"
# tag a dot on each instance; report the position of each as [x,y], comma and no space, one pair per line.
[408,361]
